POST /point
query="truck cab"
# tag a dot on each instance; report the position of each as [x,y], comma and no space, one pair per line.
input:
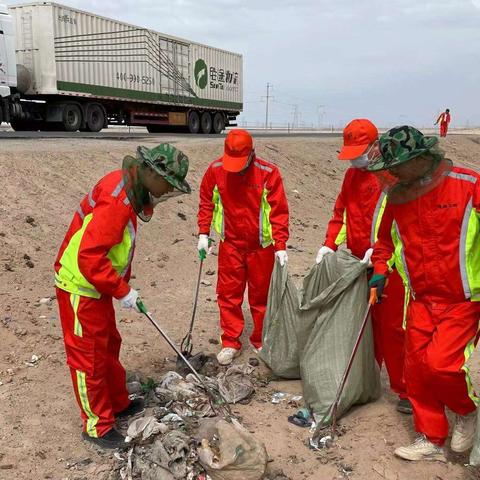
[8,66]
[8,69]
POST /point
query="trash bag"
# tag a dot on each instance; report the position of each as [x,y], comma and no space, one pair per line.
[475,453]
[279,341]
[236,383]
[145,428]
[334,301]
[167,459]
[237,455]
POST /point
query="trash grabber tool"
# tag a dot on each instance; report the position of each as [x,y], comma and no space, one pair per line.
[327,440]
[186,346]
[217,401]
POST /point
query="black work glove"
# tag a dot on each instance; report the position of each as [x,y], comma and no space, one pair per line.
[378,282]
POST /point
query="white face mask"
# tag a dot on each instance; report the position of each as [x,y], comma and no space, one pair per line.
[360,162]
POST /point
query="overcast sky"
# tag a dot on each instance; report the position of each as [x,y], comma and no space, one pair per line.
[393,61]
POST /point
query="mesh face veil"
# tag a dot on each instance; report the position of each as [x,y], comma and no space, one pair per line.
[166,161]
[407,163]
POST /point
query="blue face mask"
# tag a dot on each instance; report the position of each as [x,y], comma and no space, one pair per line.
[360,162]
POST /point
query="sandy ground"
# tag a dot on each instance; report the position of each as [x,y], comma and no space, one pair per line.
[39,421]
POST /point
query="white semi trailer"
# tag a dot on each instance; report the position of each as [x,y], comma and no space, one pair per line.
[65,69]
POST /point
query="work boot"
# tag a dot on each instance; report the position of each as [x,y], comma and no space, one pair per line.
[136,406]
[421,449]
[226,355]
[463,434]
[404,406]
[112,439]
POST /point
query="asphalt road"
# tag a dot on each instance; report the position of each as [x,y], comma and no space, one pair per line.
[125,135]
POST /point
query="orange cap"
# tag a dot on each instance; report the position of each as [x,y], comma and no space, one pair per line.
[238,146]
[357,136]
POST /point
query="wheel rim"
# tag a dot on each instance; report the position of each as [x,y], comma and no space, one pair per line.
[206,123]
[218,124]
[71,117]
[195,122]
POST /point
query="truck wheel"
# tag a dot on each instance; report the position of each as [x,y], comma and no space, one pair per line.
[206,122]
[193,122]
[95,118]
[218,123]
[72,117]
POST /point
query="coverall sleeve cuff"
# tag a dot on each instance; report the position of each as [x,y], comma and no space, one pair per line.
[204,231]
[381,269]
[280,246]
[122,290]
[331,245]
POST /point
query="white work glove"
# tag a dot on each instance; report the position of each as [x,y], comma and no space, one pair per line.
[203,243]
[322,252]
[282,257]
[130,300]
[367,258]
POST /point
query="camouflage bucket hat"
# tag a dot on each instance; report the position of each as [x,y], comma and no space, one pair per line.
[399,145]
[167,161]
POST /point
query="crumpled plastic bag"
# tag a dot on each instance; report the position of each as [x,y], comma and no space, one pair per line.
[237,455]
[236,383]
[188,396]
[145,427]
[174,387]
[176,444]
[167,459]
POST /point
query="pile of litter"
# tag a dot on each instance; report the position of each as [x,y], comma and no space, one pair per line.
[180,435]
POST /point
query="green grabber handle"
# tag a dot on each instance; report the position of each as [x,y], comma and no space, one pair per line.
[141,306]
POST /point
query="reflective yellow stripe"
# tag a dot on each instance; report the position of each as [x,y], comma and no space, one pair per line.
[342,234]
[467,353]
[121,254]
[264,225]
[218,223]
[82,392]
[377,217]
[71,279]
[69,273]
[398,258]
[406,301]
[77,326]
[470,253]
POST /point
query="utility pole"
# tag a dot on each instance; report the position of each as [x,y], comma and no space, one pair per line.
[267,98]
[295,116]
[320,113]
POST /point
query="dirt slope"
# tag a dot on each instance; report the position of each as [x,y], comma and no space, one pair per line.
[42,183]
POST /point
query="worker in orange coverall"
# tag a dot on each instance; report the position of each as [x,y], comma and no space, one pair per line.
[356,218]
[93,267]
[242,198]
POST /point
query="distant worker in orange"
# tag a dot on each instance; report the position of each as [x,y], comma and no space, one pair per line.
[444,119]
